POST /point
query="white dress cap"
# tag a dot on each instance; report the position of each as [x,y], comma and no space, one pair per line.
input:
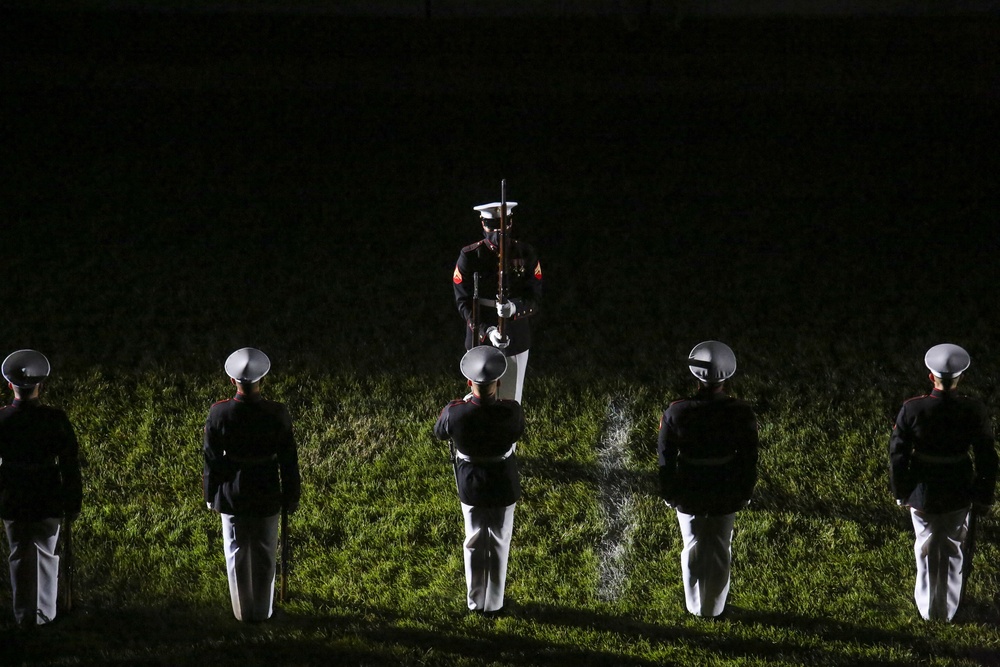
[26,368]
[946,360]
[247,365]
[712,361]
[492,211]
[484,364]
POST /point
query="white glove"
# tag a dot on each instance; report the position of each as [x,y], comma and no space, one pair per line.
[494,336]
[506,310]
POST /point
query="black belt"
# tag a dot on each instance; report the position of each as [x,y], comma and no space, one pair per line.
[252,461]
[20,465]
[486,459]
[715,461]
[931,458]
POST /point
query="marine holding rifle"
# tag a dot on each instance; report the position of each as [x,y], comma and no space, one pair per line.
[483,430]
[40,484]
[498,288]
[251,476]
[942,464]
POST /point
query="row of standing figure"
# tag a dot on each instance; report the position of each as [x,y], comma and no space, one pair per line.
[943,461]
[942,454]
[251,473]
[942,468]
[251,476]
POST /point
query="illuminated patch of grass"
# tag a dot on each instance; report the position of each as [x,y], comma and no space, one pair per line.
[149,230]
[822,564]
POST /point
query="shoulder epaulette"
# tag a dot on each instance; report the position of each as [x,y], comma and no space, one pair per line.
[473,246]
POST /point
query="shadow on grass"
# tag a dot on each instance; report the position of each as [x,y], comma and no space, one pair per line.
[769,497]
[838,631]
[364,636]
[636,481]
[749,634]
[533,634]
[178,635]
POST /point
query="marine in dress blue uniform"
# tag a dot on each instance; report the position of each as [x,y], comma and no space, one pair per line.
[484,430]
[942,460]
[251,472]
[524,285]
[707,450]
[40,484]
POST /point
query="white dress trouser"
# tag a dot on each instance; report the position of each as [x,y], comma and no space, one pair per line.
[705,561]
[487,546]
[251,544]
[938,549]
[34,568]
[512,381]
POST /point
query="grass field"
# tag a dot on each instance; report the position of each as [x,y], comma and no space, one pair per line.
[824,204]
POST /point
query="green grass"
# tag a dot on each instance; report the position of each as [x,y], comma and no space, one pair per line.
[756,184]
[822,560]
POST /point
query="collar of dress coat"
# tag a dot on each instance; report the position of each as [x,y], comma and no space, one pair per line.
[248,398]
[483,400]
[26,401]
[941,393]
[712,392]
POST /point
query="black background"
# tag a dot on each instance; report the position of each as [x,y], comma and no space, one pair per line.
[175,185]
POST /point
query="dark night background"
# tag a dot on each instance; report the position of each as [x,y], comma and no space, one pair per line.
[178,184]
[818,191]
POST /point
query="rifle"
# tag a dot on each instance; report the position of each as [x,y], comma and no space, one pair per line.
[66,587]
[474,320]
[454,461]
[502,260]
[286,556]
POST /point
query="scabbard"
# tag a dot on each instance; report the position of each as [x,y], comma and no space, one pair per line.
[454,462]
[286,556]
[969,550]
[66,577]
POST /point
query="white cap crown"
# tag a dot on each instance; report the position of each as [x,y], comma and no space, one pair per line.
[947,360]
[712,361]
[483,364]
[247,365]
[26,368]
[492,211]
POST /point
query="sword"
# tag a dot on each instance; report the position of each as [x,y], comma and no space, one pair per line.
[68,565]
[286,556]
[969,549]
[454,462]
